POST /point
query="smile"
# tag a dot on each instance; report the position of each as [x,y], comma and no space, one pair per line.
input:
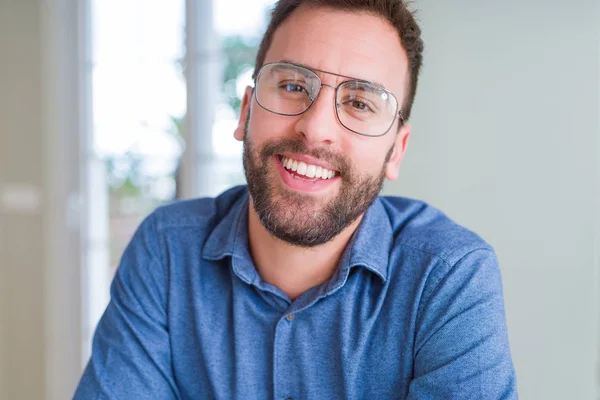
[303,176]
[303,169]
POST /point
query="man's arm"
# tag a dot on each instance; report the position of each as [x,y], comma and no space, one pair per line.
[461,346]
[131,356]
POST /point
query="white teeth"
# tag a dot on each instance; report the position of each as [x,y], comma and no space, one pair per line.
[318,172]
[310,171]
[301,168]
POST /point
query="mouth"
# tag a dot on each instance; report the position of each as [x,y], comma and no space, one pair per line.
[306,170]
[305,176]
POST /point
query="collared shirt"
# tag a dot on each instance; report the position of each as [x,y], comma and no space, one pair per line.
[414,310]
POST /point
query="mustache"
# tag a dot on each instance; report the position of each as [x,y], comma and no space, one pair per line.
[339,161]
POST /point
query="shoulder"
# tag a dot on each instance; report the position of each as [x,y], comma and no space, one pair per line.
[438,257]
[199,212]
[423,228]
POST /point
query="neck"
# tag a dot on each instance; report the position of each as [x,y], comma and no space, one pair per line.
[291,268]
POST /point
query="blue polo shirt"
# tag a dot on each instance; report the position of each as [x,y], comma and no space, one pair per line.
[414,311]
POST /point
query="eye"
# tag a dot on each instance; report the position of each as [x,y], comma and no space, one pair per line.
[293,88]
[358,106]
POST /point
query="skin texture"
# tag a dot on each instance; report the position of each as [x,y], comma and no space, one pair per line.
[354,44]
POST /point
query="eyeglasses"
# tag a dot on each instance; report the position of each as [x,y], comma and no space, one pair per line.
[361,106]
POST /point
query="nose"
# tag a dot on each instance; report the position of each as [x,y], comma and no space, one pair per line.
[319,124]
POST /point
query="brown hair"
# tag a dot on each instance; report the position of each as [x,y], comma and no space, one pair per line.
[396,12]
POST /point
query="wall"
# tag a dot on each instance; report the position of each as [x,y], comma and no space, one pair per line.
[505,140]
[21,226]
[41,147]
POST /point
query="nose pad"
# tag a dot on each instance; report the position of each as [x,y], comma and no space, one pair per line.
[319,93]
[316,124]
[316,90]
[337,105]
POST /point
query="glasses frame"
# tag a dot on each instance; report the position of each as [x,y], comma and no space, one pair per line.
[397,113]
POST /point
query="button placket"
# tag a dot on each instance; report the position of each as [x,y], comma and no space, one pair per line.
[284,365]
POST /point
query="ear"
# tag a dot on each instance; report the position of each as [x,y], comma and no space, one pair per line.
[400,143]
[244,114]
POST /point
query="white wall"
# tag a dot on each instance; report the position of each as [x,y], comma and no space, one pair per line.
[65,134]
[21,258]
[40,281]
[506,141]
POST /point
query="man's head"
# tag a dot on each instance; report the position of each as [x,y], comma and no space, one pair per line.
[395,12]
[334,85]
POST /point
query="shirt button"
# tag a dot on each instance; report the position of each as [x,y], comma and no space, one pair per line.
[290,317]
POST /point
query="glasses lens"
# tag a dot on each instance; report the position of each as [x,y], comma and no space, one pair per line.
[366,108]
[286,89]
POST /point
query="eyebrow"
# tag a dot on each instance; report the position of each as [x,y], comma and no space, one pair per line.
[332,73]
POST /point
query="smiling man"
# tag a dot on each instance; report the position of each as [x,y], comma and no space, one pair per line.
[305,284]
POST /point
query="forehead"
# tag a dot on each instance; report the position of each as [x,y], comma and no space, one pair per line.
[354,44]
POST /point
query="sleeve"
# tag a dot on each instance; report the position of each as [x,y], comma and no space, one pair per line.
[461,344]
[131,357]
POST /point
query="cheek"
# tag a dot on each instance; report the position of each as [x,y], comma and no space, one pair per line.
[367,154]
[265,125]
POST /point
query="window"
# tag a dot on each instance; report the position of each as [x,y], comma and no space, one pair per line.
[139,101]
[139,90]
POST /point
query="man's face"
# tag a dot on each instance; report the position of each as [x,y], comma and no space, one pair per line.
[311,211]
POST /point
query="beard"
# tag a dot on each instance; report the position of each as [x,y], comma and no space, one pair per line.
[296,218]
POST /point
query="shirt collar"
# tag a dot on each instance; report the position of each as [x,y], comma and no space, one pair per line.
[230,236]
[369,247]
[371,243]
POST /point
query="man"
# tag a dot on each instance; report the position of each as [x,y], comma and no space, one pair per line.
[306,284]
